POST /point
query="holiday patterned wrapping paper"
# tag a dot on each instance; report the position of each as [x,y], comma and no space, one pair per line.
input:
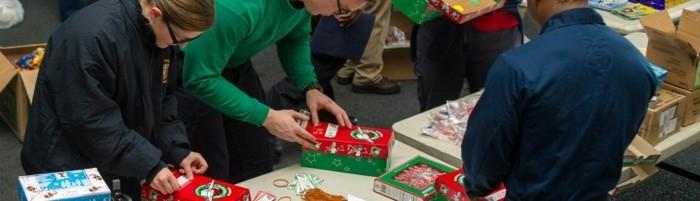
[197,189]
[75,185]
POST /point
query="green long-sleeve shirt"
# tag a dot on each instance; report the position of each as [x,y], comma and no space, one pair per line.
[242,29]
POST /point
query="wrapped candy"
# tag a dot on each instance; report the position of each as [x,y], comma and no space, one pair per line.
[419,176]
[450,122]
[413,180]
[304,182]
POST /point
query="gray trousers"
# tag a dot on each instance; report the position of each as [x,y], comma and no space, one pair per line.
[447,53]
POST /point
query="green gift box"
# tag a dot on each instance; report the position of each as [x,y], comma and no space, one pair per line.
[411,181]
[342,163]
[419,11]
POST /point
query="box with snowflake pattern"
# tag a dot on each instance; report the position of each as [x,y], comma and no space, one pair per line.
[341,163]
[74,185]
[197,189]
[411,181]
[356,150]
[356,141]
[450,187]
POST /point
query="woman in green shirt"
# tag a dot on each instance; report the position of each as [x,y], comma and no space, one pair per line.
[223,109]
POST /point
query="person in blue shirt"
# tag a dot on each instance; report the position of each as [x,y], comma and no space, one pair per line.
[558,113]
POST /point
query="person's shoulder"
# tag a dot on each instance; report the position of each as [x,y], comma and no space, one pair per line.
[94,22]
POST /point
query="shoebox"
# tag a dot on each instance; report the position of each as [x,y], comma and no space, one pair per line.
[197,189]
[676,50]
[450,187]
[640,152]
[419,11]
[17,83]
[692,104]
[663,116]
[356,150]
[461,11]
[71,185]
[411,181]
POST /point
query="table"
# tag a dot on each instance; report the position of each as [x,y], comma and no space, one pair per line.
[409,131]
[336,183]
[624,26]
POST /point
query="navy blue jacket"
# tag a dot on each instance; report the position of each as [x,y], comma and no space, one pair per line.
[102,99]
[558,113]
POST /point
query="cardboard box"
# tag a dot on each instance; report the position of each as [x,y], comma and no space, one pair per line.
[663,117]
[358,150]
[197,189]
[419,11]
[461,11]
[692,104]
[677,51]
[85,184]
[16,88]
[450,187]
[395,183]
[633,175]
[640,152]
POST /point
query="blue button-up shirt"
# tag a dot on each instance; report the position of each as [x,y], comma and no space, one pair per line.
[558,113]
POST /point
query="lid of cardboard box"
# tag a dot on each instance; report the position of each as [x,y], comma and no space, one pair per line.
[29,82]
[689,28]
[641,148]
[660,30]
[7,71]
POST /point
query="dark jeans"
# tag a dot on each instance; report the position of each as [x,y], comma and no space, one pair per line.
[235,150]
[446,53]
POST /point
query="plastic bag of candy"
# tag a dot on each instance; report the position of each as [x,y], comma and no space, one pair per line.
[31,61]
[396,38]
[450,122]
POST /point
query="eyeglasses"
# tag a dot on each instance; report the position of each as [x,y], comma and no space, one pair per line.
[172,34]
[170,30]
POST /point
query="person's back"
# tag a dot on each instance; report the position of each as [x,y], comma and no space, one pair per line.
[576,97]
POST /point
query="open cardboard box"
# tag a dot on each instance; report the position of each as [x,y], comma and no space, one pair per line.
[640,152]
[635,174]
[16,88]
[676,50]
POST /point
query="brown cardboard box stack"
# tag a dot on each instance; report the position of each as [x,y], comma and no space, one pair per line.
[16,88]
[678,51]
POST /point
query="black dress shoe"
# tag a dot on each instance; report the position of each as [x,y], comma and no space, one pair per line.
[384,86]
[344,80]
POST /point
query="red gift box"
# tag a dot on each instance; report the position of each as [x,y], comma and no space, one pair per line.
[461,11]
[197,190]
[451,187]
[356,141]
